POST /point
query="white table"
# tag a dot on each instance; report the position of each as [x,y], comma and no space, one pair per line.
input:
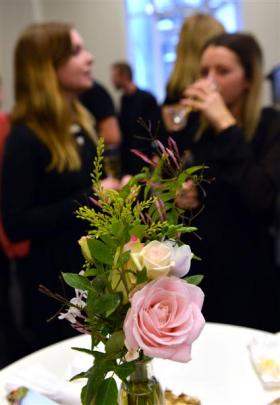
[220,372]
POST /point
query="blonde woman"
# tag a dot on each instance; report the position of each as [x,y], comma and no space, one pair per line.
[47,163]
[196,30]
[241,147]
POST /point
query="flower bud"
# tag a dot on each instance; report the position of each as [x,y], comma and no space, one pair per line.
[83,242]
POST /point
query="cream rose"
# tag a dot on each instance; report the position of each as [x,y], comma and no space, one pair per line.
[156,257]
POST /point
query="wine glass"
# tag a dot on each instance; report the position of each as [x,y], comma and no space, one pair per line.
[175,116]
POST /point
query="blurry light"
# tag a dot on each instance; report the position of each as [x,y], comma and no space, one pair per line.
[169,57]
[165,25]
[149,9]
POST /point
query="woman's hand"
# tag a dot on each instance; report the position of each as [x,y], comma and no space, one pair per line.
[114,183]
[111,182]
[187,197]
[203,96]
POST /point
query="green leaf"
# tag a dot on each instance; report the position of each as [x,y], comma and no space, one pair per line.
[167,197]
[98,284]
[181,178]
[107,303]
[115,343]
[83,394]
[107,393]
[77,281]
[95,378]
[90,272]
[193,169]
[117,228]
[138,230]
[110,241]
[141,276]
[172,216]
[96,375]
[194,279]
[124,257]
[91,298]
[82,350]
[78,376]
[187,229]
[100,251]
[124,370]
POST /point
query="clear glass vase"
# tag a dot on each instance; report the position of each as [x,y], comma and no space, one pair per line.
[141,387]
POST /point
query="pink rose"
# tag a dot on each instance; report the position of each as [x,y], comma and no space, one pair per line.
[164,319]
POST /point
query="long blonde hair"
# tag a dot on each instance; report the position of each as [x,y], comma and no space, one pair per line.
[196,30]
[40,103]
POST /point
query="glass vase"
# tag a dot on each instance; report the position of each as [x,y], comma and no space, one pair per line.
[141,387]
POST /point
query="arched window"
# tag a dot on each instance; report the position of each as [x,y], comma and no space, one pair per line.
[153,29]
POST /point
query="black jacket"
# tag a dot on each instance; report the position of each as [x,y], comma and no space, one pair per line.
[39,204]
[240,283]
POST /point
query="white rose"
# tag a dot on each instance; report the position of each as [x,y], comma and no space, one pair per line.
[181,257]
[157,259]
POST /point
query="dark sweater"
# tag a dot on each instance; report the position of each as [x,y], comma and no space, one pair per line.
[40,205]
[139,105]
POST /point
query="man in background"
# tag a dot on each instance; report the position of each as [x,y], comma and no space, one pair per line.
[99,102]
[136,104]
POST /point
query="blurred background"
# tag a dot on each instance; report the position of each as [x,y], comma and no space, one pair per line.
[144,32]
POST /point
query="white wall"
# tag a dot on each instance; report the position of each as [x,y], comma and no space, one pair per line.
[14,15]
[102,25]
[262,17]
[100,22]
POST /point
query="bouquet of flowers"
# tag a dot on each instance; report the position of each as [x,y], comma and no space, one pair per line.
[133,296]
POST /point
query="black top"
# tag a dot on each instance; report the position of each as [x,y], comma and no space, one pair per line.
[40,205]
[237,248]
[139,105]
[98,101]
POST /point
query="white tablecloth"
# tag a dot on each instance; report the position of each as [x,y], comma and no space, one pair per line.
[220,372]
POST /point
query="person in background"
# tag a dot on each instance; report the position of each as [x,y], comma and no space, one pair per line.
[195,31]
[135,104]
[99,102]
[240,146]
[47,162]
[11,341]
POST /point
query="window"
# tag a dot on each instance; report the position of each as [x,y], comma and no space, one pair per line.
[153,29]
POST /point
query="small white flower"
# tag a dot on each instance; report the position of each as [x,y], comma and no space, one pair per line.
[68,316]
[74,311]
[78,302]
